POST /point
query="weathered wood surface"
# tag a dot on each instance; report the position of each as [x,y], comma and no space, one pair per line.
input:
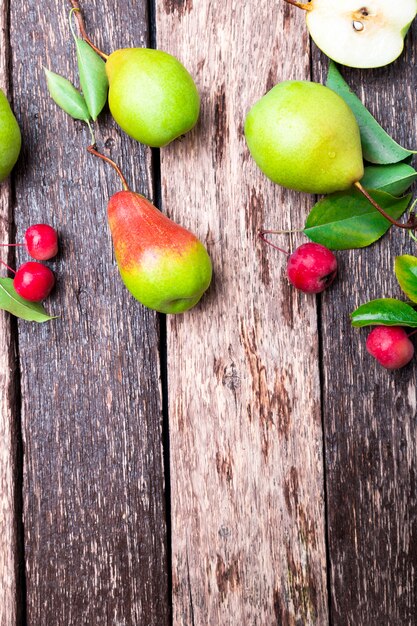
[94,511]
[248,540]
[370,414]
[10,592]
[245,400]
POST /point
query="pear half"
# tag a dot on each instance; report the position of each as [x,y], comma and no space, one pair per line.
[360,33]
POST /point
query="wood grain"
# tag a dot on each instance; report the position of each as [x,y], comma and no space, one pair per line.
[370,414]
[94,510]
[10,592]
[244,393]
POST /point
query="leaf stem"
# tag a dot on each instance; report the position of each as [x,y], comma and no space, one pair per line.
[8,267]
[93,137]
[81,25]
[92,150]
[262,233]
[411,224]
[301,5]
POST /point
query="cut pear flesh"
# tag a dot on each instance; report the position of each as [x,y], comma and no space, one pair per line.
[360,33]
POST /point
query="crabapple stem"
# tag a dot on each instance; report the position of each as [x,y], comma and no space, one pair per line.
[300,5]
[92,150]
[410,225]
[11,245]
[8,267]
[282,232]
[81,25]
[412,333]
[261,235]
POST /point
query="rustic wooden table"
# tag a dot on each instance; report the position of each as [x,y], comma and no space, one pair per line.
[245,463]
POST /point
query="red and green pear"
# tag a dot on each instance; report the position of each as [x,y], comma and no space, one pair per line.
[162,264]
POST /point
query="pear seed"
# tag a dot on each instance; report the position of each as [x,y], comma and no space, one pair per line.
[358,25]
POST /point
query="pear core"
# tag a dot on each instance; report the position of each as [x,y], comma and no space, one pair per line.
[304,136]
[360,33]
[152,96]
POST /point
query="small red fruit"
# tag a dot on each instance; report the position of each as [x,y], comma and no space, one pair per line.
[311,268]
[391,346]
[34,281]
[41,241]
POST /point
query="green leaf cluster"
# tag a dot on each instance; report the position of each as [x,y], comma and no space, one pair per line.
[344,221]
[377,146]
[347,220]
[389,311]
[88,104]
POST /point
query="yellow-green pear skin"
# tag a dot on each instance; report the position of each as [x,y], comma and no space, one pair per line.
[304,136]
[10,138]
[152,96]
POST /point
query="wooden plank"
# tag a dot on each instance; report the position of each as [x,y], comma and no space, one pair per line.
[95,529]
[244,394]
[370,414]
[10,592]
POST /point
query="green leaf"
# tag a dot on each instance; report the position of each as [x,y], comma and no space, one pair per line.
[347,220]
[384,312]
[93,78]
[377,145]
[13,303]
[394,179]
[406,273]
[66,96]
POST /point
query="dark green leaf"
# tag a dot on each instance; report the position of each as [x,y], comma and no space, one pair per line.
[394,179]
[385,312]
[67,97]
[377,145]
[406,273]
[347,220]
[93,78]
[10,301]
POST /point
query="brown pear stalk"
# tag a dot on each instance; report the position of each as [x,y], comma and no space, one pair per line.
[81,25]
[301,5]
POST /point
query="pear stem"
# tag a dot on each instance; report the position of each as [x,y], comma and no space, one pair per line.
[8,267]
[81,25]
[410,225]
[262,233]
[301,5]
[92,150]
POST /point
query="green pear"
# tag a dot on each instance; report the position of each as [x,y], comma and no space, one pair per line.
[152,96]
[303,136]
[357,33]
[162,264]
[10,138]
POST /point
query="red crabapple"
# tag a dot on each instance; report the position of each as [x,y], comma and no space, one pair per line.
[33,281]
[391,346]
[41,241]
[311,268]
